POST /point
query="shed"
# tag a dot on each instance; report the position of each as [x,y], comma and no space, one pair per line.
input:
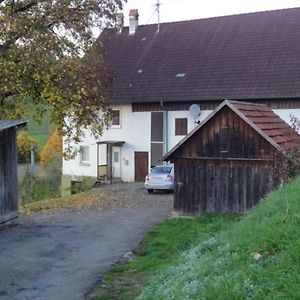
[8,169]
[227,163]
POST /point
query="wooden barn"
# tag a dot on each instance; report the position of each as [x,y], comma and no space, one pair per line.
[227,163]
[8,170]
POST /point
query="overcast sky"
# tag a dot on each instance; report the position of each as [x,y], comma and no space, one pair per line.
[177,10]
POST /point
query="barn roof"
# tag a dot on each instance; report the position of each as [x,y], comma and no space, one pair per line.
[261,118]
[5,124]
[247,56]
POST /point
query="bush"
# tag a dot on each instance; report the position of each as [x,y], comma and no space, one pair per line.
[24,143]
[27,190]
[52,152]
[51,162]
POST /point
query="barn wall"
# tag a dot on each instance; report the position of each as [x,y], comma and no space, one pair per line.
[226,166]
[226,136]
[220,186]
[8,175]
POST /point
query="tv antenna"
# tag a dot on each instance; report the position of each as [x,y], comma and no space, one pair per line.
[158,15]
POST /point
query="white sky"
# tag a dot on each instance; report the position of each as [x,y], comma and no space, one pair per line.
[177,10]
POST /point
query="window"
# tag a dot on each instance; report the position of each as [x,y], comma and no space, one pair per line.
[116,118]
[116,157]
[84,154]
[181,126]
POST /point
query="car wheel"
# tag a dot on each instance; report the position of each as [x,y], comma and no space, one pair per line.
[150,191]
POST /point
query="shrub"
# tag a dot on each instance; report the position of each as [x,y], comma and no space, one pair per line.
[51,162]
[24,143]
[52,152]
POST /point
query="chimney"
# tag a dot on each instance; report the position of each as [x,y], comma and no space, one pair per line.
[120,22]
[133,21]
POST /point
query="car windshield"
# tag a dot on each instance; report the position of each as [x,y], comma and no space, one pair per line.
[161,170]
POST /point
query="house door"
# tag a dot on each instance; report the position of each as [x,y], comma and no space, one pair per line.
[141,165]
[116,162]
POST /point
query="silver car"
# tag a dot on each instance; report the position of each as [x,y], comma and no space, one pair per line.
[161,177]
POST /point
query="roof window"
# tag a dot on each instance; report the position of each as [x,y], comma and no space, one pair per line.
[180,75]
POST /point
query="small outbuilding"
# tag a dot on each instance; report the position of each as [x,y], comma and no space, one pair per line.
[8,169]
[227,163]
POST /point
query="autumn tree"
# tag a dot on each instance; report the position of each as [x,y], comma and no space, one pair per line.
[49,60]
[51,162]
[52,150]
[24,143]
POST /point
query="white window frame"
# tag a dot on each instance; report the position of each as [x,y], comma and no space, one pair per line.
[82,154]
[119,125]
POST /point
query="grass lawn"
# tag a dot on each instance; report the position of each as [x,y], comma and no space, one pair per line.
[160,249]
[40,132]
[254,256]
[38,190]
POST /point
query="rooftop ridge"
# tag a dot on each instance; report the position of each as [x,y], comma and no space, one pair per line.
[226,57]
[247,103]
[223,16]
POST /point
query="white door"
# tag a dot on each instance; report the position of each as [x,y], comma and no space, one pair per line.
[116,162]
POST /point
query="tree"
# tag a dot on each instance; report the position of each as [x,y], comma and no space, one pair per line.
[51,162]
[289,164]
[25,142]
[52,151]
[49,60]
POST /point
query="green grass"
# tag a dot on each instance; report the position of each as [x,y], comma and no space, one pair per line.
[160,249]
[258,258]
[39,131]
[254,256]
[41,139]
[37,189]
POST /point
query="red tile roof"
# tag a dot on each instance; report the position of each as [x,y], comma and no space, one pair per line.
[249,56]
[269,123]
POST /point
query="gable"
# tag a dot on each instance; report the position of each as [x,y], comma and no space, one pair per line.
[226,135]
[249,56]
[264,124]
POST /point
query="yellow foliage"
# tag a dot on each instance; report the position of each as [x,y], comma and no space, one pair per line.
[52,150]
[24,142]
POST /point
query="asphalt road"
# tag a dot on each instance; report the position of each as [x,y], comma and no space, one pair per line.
[63,255]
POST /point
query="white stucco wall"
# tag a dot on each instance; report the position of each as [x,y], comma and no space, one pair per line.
[135,131]
[172,115]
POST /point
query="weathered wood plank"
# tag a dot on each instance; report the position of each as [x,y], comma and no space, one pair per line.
[8,175]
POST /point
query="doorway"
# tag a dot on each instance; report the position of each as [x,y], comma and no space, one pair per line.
[116,162]
[141,165]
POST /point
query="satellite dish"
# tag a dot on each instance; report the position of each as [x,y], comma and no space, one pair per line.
[195,110]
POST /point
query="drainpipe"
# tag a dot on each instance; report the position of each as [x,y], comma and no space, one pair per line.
[98,161]
[166,126]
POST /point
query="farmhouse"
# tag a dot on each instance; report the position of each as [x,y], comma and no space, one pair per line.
[159,75]
[8,169]
[228,163]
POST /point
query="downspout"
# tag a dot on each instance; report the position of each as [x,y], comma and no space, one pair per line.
[97,161]
[166,126]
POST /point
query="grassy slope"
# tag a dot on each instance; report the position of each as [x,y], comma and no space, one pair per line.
[162,248]
[40,132]
[258,258]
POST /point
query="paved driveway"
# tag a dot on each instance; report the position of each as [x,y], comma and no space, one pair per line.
[63,255]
